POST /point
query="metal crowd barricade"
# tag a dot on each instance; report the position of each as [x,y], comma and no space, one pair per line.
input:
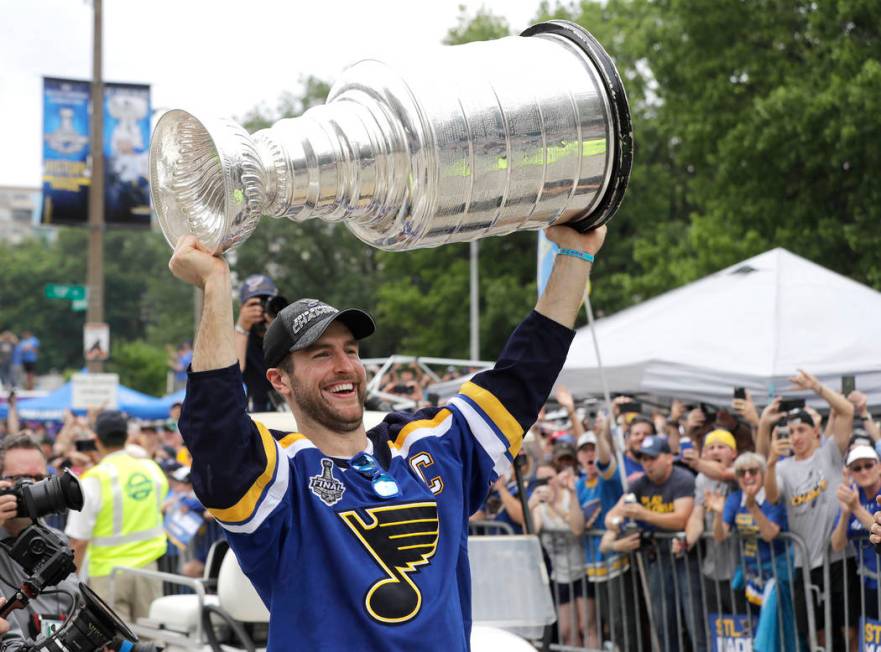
[653,599]
[489,528]
[861,600]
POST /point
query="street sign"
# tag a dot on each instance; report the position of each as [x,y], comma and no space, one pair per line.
[96,341]
[79,305]
[61,291]
[94,391]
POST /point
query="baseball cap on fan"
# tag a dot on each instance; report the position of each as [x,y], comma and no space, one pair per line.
[302,323]
[257,285]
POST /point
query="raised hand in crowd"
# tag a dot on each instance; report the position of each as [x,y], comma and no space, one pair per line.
[694,422]
[746,409]
[780,448]
[861,411]
[617,402]
[840,423]
[769,418]
[848,498]
[567,402]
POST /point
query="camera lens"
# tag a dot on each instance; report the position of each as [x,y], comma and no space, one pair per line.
[53,495]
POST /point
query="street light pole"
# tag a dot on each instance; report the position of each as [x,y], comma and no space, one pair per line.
[475,301]
[95,312]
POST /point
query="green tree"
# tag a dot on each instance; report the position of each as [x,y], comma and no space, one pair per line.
[142,299]
[140,366]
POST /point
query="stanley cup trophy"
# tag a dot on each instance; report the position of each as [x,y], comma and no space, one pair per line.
[485,139]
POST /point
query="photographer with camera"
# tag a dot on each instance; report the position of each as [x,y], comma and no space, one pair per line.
[22,462]
[260,303]
[121,522]
[804,471]
[662,500]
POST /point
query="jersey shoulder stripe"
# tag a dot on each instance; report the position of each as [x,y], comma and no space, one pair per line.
[497,413]
[421,428]
[295,442]
[264,495]
[272,497]
[247,503]
[490,438]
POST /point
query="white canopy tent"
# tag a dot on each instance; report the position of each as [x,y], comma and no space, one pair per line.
[751,325]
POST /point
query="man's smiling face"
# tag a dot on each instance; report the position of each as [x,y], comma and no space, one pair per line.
[329,382]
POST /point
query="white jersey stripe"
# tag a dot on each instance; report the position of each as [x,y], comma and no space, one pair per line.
[484,434]
[421,433]
[274,495]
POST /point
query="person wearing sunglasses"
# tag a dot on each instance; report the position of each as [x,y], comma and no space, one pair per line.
[857,496]
[758,522]
[355,539]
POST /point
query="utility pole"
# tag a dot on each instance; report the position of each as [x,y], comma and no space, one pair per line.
[95,313]
[475,298]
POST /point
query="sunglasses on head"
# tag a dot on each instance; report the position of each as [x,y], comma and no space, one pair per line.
[383,483]
[750,471]
[856,468]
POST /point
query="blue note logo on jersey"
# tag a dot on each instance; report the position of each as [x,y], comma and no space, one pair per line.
[328,489]
[400,538]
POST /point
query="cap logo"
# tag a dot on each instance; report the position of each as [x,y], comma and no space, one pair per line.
[302,320]
[648,442]
[253,282]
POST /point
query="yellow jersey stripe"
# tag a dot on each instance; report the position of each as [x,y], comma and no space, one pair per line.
[499,414]
[248,503]
[290,439]
[419,424]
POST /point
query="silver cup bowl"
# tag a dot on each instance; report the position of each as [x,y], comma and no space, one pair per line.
[477,140]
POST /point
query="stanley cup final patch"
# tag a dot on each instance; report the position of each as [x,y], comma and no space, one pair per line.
[328,489]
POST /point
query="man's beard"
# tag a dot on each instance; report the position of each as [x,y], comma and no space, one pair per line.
[318,410]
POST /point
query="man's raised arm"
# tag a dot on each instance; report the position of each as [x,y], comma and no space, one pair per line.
[193,264]
[565,289]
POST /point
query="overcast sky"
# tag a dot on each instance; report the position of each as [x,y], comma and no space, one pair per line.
[212,57]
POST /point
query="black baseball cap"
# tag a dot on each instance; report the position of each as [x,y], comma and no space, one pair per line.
[302,323]
[111,426]
[653,446]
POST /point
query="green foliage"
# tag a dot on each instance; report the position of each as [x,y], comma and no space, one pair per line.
[755,126]
[142,299]
[140,366]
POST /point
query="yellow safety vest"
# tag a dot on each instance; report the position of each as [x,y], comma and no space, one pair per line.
[128,530]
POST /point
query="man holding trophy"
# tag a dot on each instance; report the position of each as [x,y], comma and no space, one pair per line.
[357,539]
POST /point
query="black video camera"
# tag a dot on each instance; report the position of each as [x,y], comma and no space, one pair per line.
[47,559]
[271,307]
[49,496]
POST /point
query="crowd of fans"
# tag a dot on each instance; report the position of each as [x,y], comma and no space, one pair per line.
[667,513]
[727,510]
[190,528]
[18,359]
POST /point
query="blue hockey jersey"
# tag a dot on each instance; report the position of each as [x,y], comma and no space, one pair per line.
[338,567]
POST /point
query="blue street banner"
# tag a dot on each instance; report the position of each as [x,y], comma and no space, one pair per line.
[729,633]
[66,152]
[870,635]
[126,145]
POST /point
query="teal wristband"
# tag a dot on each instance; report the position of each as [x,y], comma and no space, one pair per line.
[583,255]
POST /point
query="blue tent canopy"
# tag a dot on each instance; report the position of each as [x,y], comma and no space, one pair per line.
[52,406]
